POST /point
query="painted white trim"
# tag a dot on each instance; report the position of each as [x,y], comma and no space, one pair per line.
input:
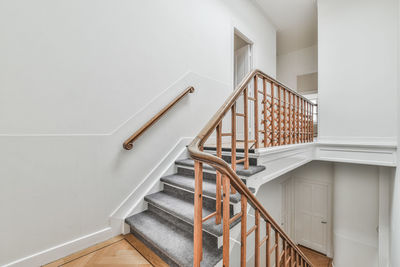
[61,250]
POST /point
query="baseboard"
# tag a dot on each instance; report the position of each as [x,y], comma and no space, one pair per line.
[62,250]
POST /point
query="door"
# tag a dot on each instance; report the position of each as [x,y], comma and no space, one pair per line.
[241,68]
[242,63]
[311,214]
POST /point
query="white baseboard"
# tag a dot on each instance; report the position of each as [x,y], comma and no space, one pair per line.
[62,250]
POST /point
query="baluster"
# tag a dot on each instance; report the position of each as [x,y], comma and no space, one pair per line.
[291,256]
[294,119]
[284,116]
[308,121]
[284,251]
[265,111]
[279,117]
[312,122]
[198,214]
[218,176]
[298,120]
[257,239]
[243,233]
[246,129]
[290,118]
[226,217]
[268,246]
[273,113]
[233,139]
[256,111]
[277,255]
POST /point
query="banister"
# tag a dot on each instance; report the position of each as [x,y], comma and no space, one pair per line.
[196,146]
[128,144]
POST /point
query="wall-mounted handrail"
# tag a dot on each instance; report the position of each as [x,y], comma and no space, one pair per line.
[128,144]
[289,123]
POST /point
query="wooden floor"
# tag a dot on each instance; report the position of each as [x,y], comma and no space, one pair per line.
[317,259]
[120,251]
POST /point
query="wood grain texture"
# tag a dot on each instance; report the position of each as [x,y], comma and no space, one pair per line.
[317,259]
[122,250]
[120,253]
[150,256]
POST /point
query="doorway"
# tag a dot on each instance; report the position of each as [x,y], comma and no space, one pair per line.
[312,214]
[242,65]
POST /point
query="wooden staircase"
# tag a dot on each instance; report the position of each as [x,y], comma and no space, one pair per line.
[189,222]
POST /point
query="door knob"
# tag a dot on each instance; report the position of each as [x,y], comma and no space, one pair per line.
[323,222]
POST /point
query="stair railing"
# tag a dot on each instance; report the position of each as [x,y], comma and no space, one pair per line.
[128,144]
[286,118]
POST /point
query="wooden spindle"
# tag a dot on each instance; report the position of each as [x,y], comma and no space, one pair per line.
[256,111]
[218,176]
[277,255]
[265,111]
[298,119]
[312,121]
[279,117]
[225,219]
[257,239]
[273,113]
[243,234]
[246,129]
[233,137]
[198,214]
[284,116]
[290,118]
[268,246]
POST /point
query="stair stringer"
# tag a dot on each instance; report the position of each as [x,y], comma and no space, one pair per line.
[134,202]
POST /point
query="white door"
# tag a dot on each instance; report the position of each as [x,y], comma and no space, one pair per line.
[242,63]
[311,214]
[241,69]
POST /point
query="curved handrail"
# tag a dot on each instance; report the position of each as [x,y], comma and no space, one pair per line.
[128,144]
[195,150]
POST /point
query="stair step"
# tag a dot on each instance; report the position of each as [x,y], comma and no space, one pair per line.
[187,182]
[184,210]
[173,244]
[239,167]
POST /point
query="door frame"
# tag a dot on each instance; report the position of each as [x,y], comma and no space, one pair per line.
[244,36]
[289,197]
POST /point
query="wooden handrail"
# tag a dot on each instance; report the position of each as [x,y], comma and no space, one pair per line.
[229,176]
[128,144]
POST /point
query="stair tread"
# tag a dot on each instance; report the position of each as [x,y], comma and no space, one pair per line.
[239,167]
[184,210]
[187,182]
[174,242]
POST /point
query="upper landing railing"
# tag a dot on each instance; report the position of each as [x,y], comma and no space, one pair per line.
[278,116]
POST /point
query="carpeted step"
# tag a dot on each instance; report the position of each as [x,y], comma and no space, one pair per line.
[184,210]
[187,183]
[239,168]
[172,243]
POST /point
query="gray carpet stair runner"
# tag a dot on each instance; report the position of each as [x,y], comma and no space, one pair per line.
[166,226]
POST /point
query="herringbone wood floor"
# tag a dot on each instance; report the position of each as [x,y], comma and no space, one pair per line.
[316,258]
[118,254]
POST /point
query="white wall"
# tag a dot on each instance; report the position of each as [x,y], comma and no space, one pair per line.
[395,186]
[290,65]
[355,215]
[357,70]
[77,78]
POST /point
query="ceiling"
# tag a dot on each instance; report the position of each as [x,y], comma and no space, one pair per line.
[295,20]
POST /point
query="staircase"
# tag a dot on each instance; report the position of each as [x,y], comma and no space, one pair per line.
[166,226]
[189,222]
